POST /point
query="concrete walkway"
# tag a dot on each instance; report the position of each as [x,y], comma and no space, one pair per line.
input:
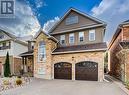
[66,87]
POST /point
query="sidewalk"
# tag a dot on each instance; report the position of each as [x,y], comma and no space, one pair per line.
[117,82]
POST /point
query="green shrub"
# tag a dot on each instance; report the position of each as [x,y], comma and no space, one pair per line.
[7,72]
[127,84]
[18,81]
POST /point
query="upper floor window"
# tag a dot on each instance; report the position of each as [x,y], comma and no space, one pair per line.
[71,20]
[1,36]
[41,51]
[62,39]
[5,45]
[71,38]
[32,45]
[81,36]
[91,35]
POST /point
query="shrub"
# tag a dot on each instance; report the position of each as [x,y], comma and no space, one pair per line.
[127,84]
[18,81]
[6,82]
[18,76]
[7,66]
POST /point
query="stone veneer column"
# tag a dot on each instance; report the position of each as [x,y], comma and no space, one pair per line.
[73,71]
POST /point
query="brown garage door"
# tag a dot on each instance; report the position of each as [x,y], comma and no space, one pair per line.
[63,70]
[86,71]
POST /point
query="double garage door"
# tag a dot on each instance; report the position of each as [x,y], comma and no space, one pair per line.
[86,70]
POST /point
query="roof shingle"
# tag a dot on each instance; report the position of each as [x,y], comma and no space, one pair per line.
[86,47]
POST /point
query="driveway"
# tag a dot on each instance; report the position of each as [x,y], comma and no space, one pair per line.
[66,87]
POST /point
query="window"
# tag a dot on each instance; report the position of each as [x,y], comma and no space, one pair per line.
[41,51]
[4,44]
[1,36]
[72,20]
[71,38]
[32,45]
[81,36]
[91,35]
[62,39]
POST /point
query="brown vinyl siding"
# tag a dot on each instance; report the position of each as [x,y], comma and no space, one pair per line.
[98,37]
[82,21]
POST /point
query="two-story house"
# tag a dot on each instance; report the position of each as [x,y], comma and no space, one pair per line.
[10,43]
[73,49]
[119,52]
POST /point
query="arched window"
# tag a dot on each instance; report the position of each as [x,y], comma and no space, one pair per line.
[41,51]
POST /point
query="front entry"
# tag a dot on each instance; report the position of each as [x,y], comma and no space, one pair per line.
[63,70]
[86,70]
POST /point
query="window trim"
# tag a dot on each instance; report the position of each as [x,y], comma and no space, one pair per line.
[70,39]
[92,32]
[71,20]
[62,37]
[81,36]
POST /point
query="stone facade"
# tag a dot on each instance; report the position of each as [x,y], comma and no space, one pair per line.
[50,46]
[80,57]
[94,53]
[72,58]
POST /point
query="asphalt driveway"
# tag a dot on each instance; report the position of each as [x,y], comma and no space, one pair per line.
[66,87]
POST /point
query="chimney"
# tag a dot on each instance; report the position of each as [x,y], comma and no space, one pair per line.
[29,46]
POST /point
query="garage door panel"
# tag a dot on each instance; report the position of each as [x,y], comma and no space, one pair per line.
[63,70]
[86,71]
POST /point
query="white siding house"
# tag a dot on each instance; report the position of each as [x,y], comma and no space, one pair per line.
[9,43]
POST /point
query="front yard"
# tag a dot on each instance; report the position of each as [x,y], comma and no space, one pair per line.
[66,87]
[13,82]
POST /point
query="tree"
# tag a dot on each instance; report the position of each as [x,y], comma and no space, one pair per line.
[7,66]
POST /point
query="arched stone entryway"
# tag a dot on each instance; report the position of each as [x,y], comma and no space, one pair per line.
[86,70]
[63,70]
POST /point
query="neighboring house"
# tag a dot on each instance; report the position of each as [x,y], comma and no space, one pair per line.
[10,43]
[119,52]
[73,49]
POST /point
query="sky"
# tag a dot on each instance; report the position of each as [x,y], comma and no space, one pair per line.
[30,15]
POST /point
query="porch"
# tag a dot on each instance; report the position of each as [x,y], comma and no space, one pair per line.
[27,67]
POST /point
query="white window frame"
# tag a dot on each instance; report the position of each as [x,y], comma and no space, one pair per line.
[71,36]
[71,20]
[92,35]
[81,34]
[62,37]
[41,51]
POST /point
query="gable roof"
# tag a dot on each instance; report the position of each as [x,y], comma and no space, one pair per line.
[8,34]
[125,22]
[118,30]
[49,36]
[13,37]
[79,12]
